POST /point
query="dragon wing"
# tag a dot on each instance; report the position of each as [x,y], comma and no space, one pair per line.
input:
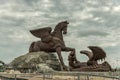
[43,33]
[98,53]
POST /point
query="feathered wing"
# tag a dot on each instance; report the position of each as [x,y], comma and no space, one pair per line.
[43,33]
[98,53]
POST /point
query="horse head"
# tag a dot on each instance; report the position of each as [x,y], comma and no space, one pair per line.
[64,26]
[61,27]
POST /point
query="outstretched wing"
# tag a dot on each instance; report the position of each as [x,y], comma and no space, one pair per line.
[43,33]
[98,53]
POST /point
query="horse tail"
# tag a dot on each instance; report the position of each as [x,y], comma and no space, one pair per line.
[31,47]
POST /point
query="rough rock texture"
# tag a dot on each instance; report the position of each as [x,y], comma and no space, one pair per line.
[39,61]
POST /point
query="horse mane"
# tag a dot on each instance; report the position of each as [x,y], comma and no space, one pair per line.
[57,26]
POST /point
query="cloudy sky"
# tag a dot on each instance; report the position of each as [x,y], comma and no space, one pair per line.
[92,22]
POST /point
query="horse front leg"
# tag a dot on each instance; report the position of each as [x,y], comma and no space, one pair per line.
[72,51]
[58,50]
[69,49]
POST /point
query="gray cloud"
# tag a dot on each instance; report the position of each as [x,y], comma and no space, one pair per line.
[91,33]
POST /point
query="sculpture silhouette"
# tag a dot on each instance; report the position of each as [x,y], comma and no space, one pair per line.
[91,65]
[51,41]
[96,54]
[73,62]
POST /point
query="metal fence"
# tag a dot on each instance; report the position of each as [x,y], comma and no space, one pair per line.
[81,76]
[63,76]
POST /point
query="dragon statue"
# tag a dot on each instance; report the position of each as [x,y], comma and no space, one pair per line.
[94,55]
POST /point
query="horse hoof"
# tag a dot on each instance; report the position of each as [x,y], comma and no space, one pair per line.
[65,68]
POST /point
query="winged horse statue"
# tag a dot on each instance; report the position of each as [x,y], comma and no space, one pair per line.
[51,41]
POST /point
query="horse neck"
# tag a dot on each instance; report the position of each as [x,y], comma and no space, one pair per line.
[57,33]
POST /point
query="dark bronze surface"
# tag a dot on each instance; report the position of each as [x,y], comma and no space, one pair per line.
[51,41]
[92,64]
[54,42]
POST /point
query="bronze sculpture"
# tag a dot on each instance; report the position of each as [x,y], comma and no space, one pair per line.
[92,64]
[51,41]
[96,54]
[73,62]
